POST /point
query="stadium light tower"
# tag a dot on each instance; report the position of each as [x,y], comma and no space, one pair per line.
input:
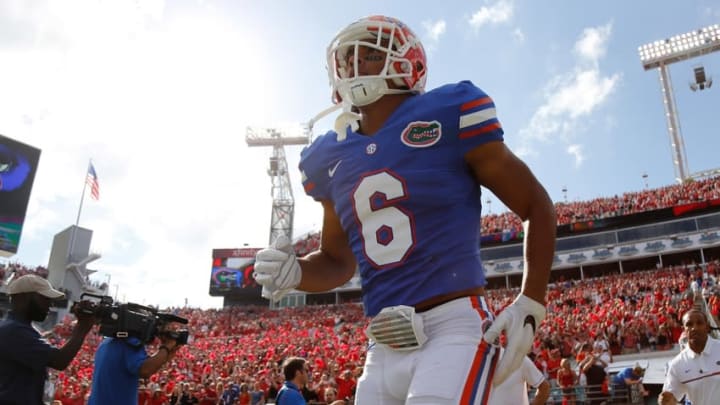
[660,54]
[283,208]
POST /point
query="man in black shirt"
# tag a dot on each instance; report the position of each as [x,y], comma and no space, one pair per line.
[24,354]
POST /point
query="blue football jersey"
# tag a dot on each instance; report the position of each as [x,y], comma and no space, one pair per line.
[405,196]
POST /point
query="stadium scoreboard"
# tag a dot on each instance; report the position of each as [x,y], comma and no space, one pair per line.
[18,165]
[232,273]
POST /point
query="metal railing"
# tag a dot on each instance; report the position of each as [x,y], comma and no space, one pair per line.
[595,395]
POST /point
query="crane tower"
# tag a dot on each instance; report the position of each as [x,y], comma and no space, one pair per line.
[283,207]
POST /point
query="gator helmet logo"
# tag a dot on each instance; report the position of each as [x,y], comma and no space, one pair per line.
[421,134]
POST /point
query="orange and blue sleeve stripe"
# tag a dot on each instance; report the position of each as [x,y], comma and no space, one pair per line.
[478,117]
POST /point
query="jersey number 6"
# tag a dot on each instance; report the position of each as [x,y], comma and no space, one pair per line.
[388,231]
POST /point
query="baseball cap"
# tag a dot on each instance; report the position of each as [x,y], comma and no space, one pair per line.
[32,283]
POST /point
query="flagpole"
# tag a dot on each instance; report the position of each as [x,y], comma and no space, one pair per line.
[77,221]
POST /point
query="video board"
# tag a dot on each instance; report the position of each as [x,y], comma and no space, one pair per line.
[232,272]
[18,165]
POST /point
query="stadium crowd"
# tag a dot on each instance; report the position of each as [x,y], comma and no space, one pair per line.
[235,353]
[628,203]
[15,270]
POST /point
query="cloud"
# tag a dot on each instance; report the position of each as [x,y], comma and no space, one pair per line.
[433,32]
[592,44]
[571,98]
[577,152]
[519,35]
[499,12]
[568,98]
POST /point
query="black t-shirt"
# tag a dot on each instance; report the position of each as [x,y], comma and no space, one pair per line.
[595,375]
[24,357]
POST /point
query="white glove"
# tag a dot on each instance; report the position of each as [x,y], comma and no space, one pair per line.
[277,269]
[520,320]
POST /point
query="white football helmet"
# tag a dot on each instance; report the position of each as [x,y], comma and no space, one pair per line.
[405,62]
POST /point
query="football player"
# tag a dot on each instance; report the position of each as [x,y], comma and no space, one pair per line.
[399,181]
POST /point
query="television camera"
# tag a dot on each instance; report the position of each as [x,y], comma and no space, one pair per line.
[130,319]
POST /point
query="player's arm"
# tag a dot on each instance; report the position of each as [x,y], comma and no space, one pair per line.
[503,173]
[498,169]
[334,263]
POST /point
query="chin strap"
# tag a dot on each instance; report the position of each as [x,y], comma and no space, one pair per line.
[322,115]
[345,119]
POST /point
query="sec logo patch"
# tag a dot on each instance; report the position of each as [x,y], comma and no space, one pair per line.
[421,134]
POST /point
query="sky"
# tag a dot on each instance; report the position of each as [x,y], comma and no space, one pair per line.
[159,95]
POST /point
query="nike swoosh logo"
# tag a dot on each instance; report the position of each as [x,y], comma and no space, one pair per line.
[331,171]
[530,320]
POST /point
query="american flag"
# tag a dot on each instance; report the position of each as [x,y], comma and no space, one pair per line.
[92,181]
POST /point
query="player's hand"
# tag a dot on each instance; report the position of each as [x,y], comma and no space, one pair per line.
[667,398]
[277,269]
[519,321]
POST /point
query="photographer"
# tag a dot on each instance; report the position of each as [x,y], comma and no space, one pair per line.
[121,360]
[24,355]
[121,363]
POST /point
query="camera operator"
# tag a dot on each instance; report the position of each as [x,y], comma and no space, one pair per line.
[24,355]
[121,363]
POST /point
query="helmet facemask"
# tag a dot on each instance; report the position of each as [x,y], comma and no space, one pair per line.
[404,61]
